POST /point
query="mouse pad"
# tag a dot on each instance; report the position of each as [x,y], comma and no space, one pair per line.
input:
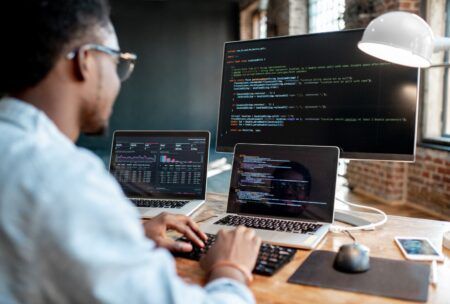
[389,278]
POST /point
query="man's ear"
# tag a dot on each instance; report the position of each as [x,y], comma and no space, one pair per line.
[83,64]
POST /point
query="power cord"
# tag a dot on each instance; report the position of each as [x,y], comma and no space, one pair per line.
[338,228]
[350,235]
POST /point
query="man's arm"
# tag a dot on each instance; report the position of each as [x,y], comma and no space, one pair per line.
[91,248]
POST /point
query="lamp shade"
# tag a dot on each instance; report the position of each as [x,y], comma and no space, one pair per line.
[399,37]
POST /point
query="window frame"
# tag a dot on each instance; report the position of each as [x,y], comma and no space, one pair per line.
[445,111]
[312,17]
[439,140]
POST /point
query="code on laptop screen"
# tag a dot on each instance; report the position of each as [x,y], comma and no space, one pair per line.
[287,181]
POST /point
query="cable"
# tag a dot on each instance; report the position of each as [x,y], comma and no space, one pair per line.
[351,236]
[338,228]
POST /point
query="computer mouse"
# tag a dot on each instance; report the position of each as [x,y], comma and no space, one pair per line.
[352,258]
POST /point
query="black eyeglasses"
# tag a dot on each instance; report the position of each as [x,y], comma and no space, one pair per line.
[125,61]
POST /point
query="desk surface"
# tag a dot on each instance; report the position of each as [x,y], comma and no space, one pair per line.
[275,289]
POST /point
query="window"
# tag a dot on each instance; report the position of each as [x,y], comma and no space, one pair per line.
[259,22]
[325,15]
[253,20]
[436,82]
[263,24]
[446,96]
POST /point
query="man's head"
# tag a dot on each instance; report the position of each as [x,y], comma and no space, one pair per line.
[51,44]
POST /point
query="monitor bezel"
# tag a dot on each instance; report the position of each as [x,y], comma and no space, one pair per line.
[343,155]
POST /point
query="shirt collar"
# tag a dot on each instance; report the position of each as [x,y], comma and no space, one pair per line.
[27,117]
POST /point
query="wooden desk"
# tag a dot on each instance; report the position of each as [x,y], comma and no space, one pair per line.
[275,289]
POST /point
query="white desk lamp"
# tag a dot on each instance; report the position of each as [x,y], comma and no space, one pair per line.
[402,38]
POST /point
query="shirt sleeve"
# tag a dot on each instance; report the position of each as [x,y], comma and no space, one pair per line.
[92,248]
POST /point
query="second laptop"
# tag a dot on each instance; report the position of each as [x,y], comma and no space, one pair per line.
[161,170]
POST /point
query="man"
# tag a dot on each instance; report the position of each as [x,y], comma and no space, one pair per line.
[67,232]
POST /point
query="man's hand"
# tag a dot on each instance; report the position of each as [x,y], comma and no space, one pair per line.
[240,246]
[156,228]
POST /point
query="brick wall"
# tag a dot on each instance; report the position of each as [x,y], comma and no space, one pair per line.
[358,13]
[412,6]
[284,17]
[424,184]
[278,18]
[247,11]
[383,181]
[429,181]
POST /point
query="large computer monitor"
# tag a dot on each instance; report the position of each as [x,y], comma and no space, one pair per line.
[317,89]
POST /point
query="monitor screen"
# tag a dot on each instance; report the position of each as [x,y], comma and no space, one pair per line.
[160,164]
[296,182]
[317,89]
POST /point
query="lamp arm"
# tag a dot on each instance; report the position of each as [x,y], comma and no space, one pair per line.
[441,44]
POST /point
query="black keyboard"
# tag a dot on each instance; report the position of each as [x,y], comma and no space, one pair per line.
[269,224]
[159,203]
[271,258]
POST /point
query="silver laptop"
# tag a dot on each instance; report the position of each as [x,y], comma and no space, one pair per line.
[161,170]
[286,193]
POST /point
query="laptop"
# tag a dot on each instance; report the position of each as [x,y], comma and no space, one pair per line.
[161,171]
[286,193]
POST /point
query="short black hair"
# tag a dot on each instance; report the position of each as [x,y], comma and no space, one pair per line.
[34,34]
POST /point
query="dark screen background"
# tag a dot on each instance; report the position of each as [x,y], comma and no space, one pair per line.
[317,89]
[320,162]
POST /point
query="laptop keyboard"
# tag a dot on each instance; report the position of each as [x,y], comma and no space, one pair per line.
[159,203]
[271,258]
[269,224]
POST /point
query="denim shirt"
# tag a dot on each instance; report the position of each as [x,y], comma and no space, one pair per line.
[67,232]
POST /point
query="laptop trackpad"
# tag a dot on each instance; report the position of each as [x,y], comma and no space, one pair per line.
[265,235]
[292,238]
[143,211]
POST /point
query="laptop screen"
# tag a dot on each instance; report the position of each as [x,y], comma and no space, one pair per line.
[160,164]
[297,182]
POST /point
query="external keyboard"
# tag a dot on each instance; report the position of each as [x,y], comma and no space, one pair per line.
[271,258]
[159,203]
[269,224]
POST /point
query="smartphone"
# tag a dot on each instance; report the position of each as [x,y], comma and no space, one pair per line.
[418,249]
